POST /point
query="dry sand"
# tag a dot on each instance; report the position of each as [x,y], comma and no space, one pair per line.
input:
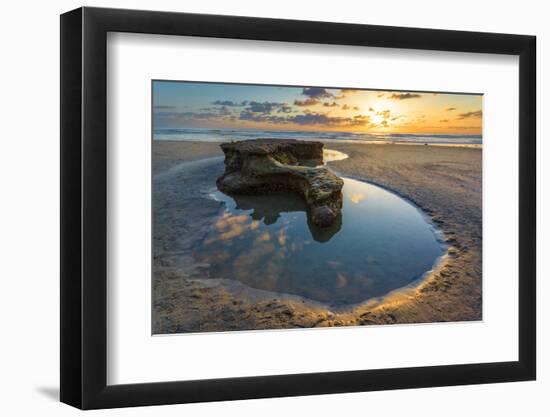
[444,181]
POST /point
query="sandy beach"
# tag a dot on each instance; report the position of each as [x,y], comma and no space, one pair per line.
[444,181]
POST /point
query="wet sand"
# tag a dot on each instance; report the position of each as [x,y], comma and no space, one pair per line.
[444,181]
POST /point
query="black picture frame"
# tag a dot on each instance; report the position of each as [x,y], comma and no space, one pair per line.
[84,207]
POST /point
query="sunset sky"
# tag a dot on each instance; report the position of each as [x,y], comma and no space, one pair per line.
[237,106]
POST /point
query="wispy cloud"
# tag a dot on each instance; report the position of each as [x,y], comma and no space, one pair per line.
[224,111]
[464,127]
[316,92]
[451,108]
[404,96]
[306,102]
[470,115]
[333,104]
[207,113]
[265,107]
[163,107]
[344,92]
[308,119]
[187,115]
[285,108]
[348,107]
[230,103]
[248,115]
[385,114]
[323,119]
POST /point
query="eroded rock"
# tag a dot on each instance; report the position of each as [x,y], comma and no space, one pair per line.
[275,165]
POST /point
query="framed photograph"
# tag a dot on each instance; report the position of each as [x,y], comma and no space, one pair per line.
[257,208]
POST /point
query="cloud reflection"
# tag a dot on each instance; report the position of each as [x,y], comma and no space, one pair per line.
[357,198]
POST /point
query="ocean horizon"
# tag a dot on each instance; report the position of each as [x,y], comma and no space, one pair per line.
[227,135]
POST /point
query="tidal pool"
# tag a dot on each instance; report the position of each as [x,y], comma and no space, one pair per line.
[382,243]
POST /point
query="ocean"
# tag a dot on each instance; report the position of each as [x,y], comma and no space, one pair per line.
[227,135]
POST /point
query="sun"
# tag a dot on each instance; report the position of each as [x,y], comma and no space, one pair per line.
[376,119]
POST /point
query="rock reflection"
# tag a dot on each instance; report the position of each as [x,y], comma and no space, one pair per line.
[269,208]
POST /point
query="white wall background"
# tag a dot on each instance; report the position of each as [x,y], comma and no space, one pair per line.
[29,225]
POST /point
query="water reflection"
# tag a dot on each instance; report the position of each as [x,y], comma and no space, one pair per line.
[381,243]
[269,208]
[357,198]
[330,155]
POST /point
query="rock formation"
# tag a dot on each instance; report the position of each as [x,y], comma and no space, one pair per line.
[275,165]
